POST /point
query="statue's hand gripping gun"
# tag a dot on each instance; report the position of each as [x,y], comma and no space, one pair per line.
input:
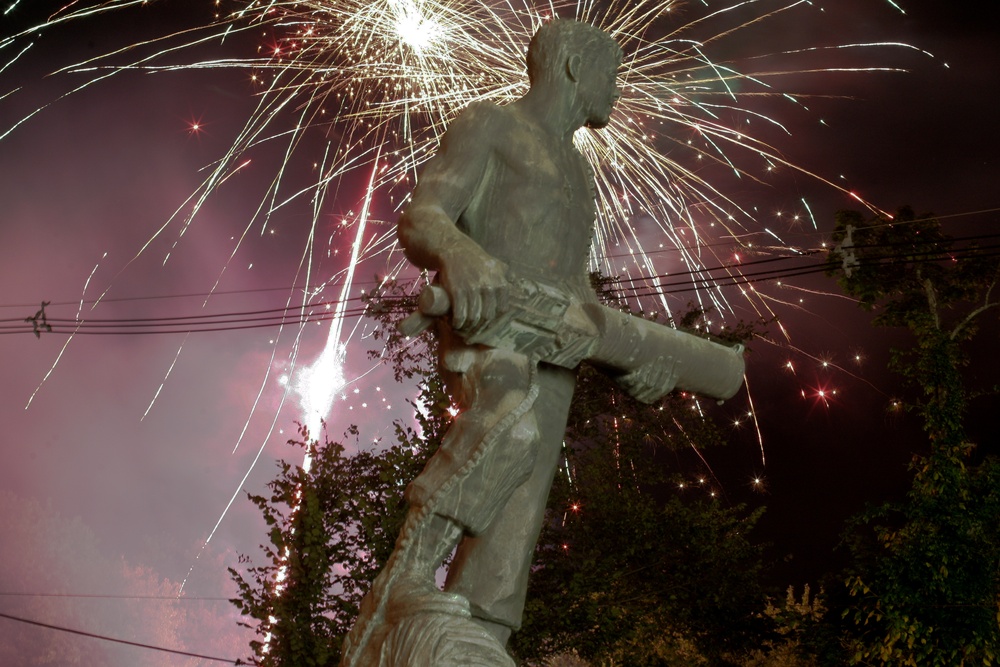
[560,330]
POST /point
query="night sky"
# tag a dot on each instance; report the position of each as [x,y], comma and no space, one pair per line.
[102,495]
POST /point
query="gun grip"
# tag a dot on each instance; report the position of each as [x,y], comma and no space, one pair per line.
[433,302]
[414,324]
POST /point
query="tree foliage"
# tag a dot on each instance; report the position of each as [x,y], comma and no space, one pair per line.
[330,530]
[635,565]
[628,566]
[632,568]
[926,584]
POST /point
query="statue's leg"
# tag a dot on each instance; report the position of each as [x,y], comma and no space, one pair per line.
[414,589]
[489,449]
[491,569]
[487,452]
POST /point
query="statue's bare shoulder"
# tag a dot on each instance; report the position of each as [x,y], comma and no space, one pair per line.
[478,129]
[476,142]
[465,149]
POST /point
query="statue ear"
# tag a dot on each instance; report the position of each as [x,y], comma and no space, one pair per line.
[573,67]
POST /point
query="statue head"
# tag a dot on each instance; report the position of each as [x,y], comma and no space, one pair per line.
[563,49]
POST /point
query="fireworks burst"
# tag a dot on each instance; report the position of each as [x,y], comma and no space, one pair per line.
[386,77]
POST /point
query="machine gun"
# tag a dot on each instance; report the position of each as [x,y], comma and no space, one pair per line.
[561,330]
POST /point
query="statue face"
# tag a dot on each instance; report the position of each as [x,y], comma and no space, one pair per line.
[598,90]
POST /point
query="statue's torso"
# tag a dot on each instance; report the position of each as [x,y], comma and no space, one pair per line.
[534,208]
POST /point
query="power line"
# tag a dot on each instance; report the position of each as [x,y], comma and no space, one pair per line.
[82,328]
[284,309]
[705,279]
[92,635]
[926,217]
[724,267]
[281,317]
[735,239]
[700,246]
[113,597]
[187,295]
[698,278]
[286,316]
[777,274]
[808,253]
[190,323]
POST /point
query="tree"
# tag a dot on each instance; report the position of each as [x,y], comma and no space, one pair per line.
[330,530]
[633,566]
[332,527]
[641,563]
[926,584]
[632,569]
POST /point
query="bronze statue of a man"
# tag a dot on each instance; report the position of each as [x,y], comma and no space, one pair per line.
[508,196]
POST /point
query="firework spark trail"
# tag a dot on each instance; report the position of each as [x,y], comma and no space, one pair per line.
[756,424]
[305,261]
[825,363]
[316,385]
[236,493]
[166,376]
[819,292]
[69,339]
[391,81]
[319,383]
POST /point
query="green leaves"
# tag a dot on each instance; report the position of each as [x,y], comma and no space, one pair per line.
[632,574]
[926,585]
[331,530]
[627,571]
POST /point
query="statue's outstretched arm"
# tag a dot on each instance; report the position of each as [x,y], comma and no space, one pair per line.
[476,282]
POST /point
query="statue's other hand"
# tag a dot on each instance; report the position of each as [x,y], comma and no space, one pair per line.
[478,288]
[652,381]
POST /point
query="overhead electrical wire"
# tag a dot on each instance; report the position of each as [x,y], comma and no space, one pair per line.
[776,274]
[887,223]
[669,283]
[743,247]
[101,596]
[116,640]
[808,253]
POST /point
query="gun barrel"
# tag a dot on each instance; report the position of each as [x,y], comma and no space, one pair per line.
[627,343]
